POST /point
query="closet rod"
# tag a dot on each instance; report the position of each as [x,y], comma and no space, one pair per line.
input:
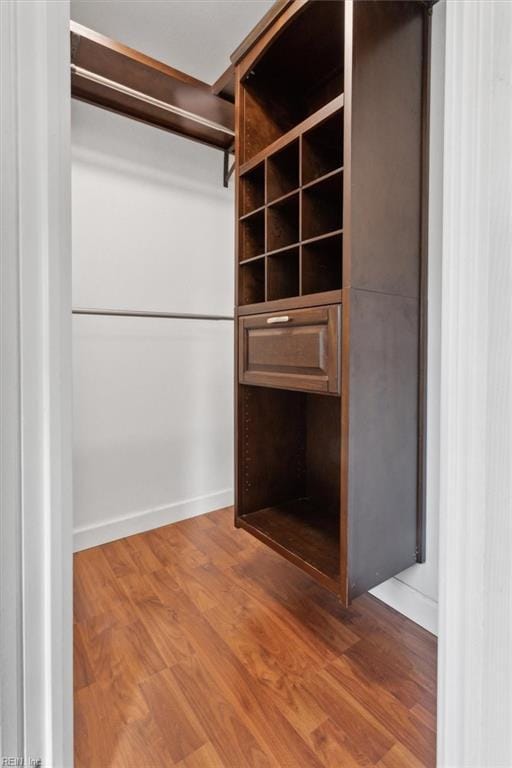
[135,313]
[115,86]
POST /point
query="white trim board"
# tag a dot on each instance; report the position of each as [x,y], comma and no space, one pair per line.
[409,602]
[148,519]
[35,385]
[475,595]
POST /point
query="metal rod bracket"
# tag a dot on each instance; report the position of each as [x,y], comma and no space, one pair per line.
[228,172]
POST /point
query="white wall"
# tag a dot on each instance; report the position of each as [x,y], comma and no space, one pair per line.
[152,230]
[415,591]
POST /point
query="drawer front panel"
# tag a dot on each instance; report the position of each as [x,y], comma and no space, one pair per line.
[292,350]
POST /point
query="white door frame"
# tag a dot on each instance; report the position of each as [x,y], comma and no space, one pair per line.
[475,632]
[35,384]
[475,600]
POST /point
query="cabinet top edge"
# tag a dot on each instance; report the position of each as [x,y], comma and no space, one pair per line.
[272,15]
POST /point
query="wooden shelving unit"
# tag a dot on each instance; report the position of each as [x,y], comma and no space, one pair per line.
[330,99]
[291,195]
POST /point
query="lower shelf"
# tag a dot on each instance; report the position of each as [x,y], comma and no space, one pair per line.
[300,531]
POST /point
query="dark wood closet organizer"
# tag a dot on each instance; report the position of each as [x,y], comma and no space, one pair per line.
[331,136]
[331,158]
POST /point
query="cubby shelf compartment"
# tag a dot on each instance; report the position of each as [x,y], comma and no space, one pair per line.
[322,148]
[283,223]
[252,235]
[283,171]
[322,207]
[251,286]
[252,189]
[324,113]
[283,274]
[322,264]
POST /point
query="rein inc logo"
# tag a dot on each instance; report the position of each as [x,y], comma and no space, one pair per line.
[22,762]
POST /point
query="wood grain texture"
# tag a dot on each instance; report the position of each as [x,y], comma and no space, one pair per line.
[300,353]
[123,65]
[197,647]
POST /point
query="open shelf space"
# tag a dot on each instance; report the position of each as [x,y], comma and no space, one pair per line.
[252,189]
[322,207]
[297,527]
[322,148]
[322,265]
[283,223]
[284,86]
[252,282]
[290,466]
[252,236]
[283,172]
[283,274]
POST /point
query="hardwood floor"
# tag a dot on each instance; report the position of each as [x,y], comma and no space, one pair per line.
[197,647]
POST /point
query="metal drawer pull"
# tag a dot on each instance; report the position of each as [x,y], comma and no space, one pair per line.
[279,319]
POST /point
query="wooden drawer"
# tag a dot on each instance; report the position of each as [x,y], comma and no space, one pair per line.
[299,349]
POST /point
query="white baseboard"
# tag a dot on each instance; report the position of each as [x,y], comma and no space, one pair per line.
[408,601]
[138,522]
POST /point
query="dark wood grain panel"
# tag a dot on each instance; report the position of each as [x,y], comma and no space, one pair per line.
[299,353]
[387,96]
[382,449]
[117,62]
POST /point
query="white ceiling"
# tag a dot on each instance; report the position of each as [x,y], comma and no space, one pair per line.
[196,36]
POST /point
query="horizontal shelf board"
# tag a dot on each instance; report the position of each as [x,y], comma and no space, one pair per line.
[293,192]
[277,251]
[248,167]
[252,213]
[252,259]
[283,197]
[310,122]
[325,236]
[325,176]
[317,239]
[143,79]
[294,302]
[300,530]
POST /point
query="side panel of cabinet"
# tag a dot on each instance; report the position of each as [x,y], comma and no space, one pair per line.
[382,445]
[386,159]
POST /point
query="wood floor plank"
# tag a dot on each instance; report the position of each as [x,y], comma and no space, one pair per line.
[396,672]
[232,678]
[97,726]
[383,706]
[166,624]
[284,592]
[234,741]
[363,735]
[176,720]
[329,744]
[141,745]
[83,671]
[399,757]
[98,588]
[256,641]
[205,757]
[197,647]
[114,649]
